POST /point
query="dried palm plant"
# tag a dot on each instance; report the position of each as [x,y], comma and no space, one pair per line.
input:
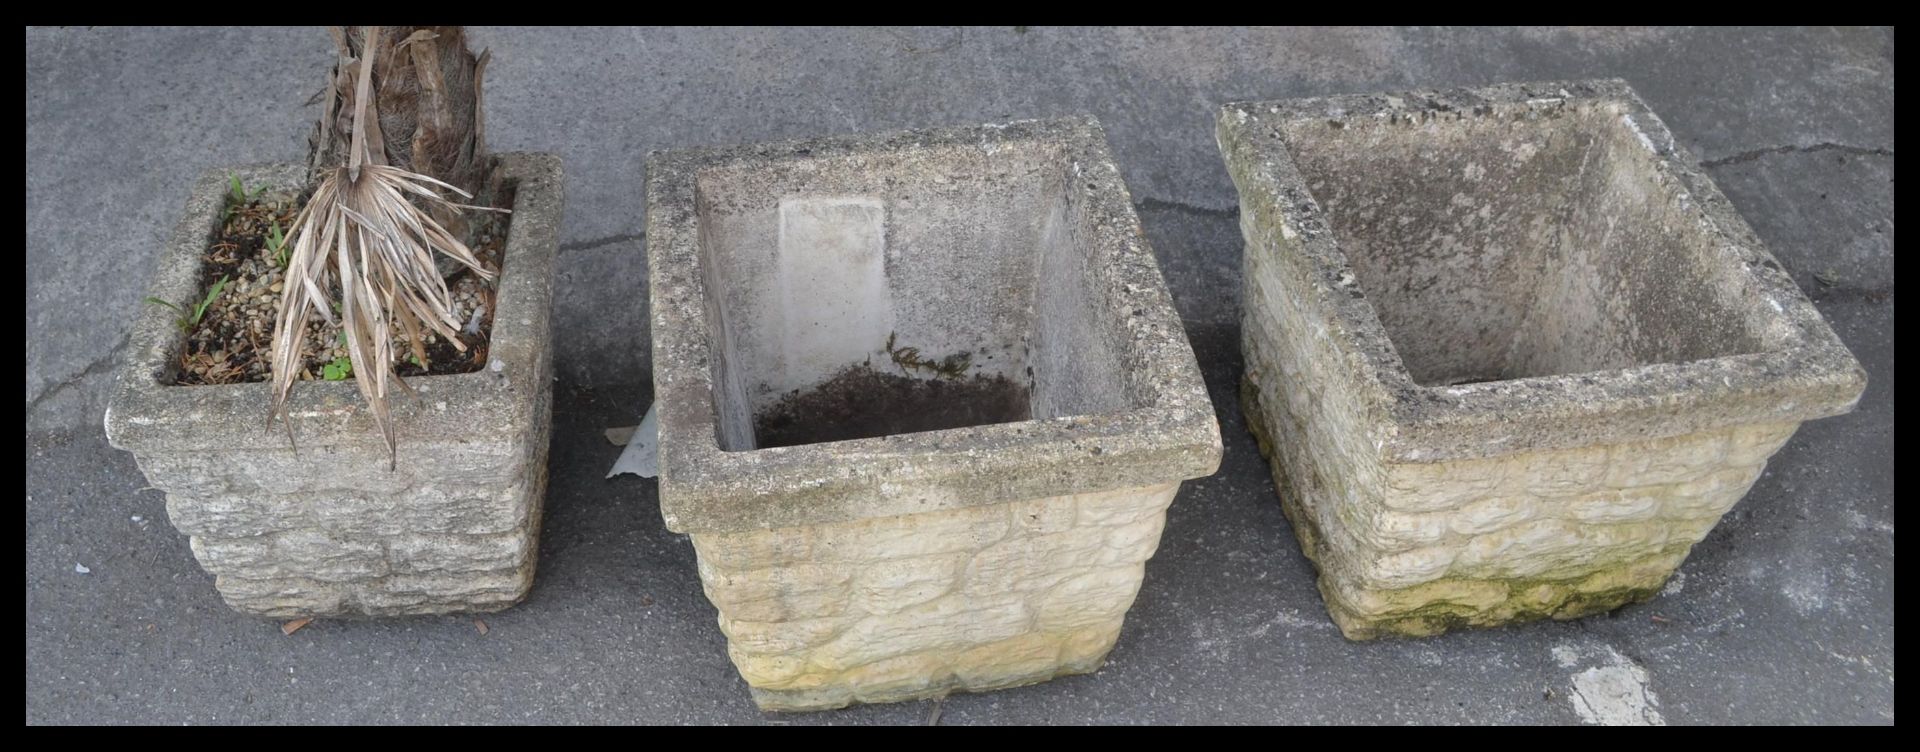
[371,230]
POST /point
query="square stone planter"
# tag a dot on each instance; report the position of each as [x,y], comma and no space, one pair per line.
[860,546]
[329,530]
[1511,355]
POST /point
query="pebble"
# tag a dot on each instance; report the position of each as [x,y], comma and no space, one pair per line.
[81,569]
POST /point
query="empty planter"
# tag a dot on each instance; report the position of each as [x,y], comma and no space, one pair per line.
[1510,353]
[329,529]
[924,401]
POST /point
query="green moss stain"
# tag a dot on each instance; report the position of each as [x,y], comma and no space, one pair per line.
[1527,599]
[1447,604]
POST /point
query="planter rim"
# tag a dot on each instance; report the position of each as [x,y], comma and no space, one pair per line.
[1803,372]
[146,415]
[704,489]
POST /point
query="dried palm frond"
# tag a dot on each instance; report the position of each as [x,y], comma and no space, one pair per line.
[369,229]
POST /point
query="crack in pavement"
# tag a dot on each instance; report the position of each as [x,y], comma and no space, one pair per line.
[1155,204]
[588,245]
[101,364]
[1749,156]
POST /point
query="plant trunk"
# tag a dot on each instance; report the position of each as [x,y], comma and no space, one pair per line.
[425,114]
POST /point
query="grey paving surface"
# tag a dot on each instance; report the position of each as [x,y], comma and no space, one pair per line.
[1784,614]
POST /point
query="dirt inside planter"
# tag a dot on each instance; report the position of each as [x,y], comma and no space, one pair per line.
[232,341]
[862,402]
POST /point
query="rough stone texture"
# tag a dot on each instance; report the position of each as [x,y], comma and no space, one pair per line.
[1059,280]
[1510,355]
[328,529]
[897,608]
[1784,615]
[911,564]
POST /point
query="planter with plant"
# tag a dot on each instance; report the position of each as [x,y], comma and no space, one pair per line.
[404,258]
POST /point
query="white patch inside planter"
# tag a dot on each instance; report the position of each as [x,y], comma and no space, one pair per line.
[933,288]
[833,283]
[1500,247]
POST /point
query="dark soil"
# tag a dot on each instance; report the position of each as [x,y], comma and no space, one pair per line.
[232,342]
[862,403]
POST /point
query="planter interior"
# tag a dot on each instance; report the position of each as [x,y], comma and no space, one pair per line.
[1510,353]
[924,401]
[1494,248]
[816,265]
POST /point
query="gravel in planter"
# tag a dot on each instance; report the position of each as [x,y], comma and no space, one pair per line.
[923,399]
[324,527]
[1510,353]
[242,276]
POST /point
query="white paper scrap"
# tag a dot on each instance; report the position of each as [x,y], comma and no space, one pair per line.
[641,456]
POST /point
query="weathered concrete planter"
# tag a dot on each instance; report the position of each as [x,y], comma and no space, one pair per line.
[904,565]
[1510,353]
[328,530]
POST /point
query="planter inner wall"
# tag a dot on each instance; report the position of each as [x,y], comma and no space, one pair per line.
[1495,246]
[818,265]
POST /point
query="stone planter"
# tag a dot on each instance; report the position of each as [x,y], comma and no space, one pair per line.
[1510,353]
[329,530]
[990,536]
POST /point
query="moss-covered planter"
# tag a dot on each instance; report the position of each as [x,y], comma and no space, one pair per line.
[924,401]
[329,530]
[1510,353]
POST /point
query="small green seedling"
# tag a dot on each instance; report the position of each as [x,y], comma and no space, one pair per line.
[277,245]
[187,320]
[238,196]
[339,369]
[239,190]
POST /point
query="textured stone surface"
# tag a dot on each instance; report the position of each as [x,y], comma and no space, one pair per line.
[1016,240]
[328,529]
[898,608]
[916,563]
[1510,356]
[1787,610]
